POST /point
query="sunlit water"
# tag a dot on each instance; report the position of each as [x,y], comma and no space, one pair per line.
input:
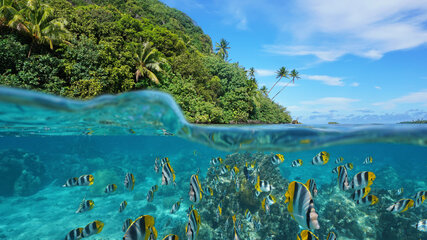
[46,140]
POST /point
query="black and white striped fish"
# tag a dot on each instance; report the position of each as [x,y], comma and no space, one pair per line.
[267,202]
[421,225]
[306,235]
[263,185]
[277,159]
[368,200]
[110,188]
[343,178]
[368,160]
[150,195]
[215,162]
[175,206]
[296,163]
[74,234]
[362,179]
[195,193]
[129,181]
[360,193]
[171,237]
[348,166]
[156,165]
[163,161]
[312,186]
[301,206]
[168,174]
[401,206]
[420,197]
[122,206]
[248,215]
[193,225]
[224,169]
[71,182]
[92,228]
[141,228]
[85,206]
[85,180]
[321,158]
[399,191]
[126,224]
[331,236]
[339,160]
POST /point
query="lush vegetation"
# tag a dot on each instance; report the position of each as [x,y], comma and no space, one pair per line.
[112,46]
[419,121]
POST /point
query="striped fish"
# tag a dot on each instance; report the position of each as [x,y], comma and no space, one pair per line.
[156,165]
[141,228]
[421,225]
[85,205]
[163,161]
[110,188]
[419,201]
[71,183]
[175,206]
[189,209]
[129,181]
[339,160]
[401,206]
[348,166]
[195,192]
[168,174]
[301,206]
[192,228]
[215,162]
[224,169]
[368,160]
[208,190]
[236,234]
[93,228]
[263,186]
[331,236]
[248,215]
[219,211]
[74,234]
[234,172]
[85,180]
[306,235]
[277,159]
[123,206]
[400,191]
[296,163]
[362,179]
[360,193]
[368,200]
[321,158]
[154,188]
[171,237]
[126,224]
[343,178]
[150,195]
[312,186]
[267,202]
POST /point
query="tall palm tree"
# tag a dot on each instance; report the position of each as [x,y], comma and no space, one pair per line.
[39,22]
[264,90]
[147,62]
[294,75]
[221,48]
[8,9]
[252,72]
[282,72]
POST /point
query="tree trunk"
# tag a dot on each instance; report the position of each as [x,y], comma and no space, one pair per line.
[31,47]
[273,86]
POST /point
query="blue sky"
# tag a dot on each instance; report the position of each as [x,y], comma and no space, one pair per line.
[360,61]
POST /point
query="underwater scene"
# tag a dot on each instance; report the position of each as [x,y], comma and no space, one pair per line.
[131,167]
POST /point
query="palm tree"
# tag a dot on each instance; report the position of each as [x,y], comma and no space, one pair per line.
[147,61]
[8,9]
[39,22]
[221,48]
[294,75]
[282,72]
[252,72]
[264,90]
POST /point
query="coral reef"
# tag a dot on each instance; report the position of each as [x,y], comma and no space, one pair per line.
[23,173]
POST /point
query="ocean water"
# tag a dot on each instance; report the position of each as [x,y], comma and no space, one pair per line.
[46,140]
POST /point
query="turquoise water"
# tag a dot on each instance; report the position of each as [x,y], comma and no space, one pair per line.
[46,140]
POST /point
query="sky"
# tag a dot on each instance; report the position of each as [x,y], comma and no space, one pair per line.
[360,61]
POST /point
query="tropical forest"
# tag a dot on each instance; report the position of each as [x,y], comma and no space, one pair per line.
[81,49]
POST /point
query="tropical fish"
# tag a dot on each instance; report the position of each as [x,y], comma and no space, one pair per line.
[348,166]
[263,186]
[219,211]
[141,228]
[189,209]
[401,206]
[339,160]
[419,200]
[126,224]
[92,228]
[296,163]
[195,192]
[301,206]
[277,159]
[360,193]
[306,235]
[176,206]
[192,228]
[399,191]
[71,182]
[368,160]
[331,236]
[237,185]
[156,165]
[224,169]
[122,206]
[312,186]
[236,235]
[110,188]
[421,225]
[171,237]
[362,179]
[150,195]
[234,172]
[163,161]
[85,205]
[368,200]
[74,234]
[154,188]
[168,174]
[248,215]
[153,233]
[85,180]
[343,178]
[267,202]
[216,161]
[321,158]
[129,181]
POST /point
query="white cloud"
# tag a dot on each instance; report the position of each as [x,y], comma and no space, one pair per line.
[378,87]
[330,101]
[265,72]
[328,80]
[415,97]
[355,84]
[329,29]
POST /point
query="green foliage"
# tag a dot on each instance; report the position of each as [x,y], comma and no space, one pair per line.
[116,46]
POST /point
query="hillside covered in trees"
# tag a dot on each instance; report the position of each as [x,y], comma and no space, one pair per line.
[81,49]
